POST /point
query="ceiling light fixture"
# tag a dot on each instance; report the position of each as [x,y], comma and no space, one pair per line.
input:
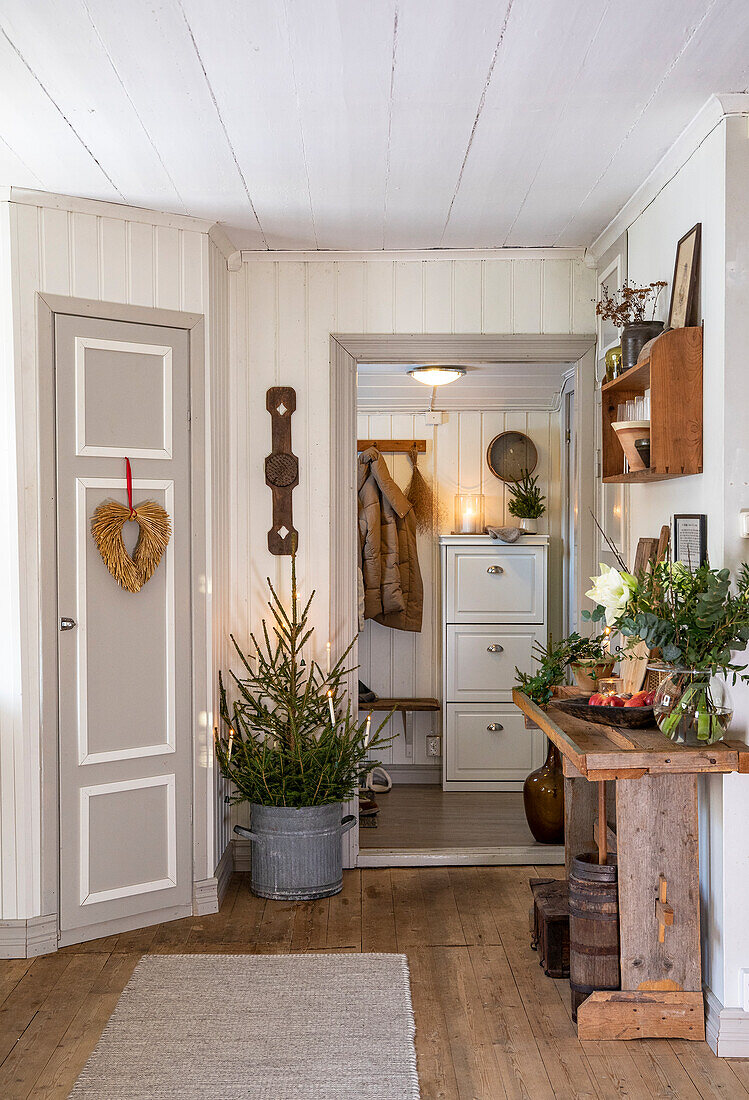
[436,375]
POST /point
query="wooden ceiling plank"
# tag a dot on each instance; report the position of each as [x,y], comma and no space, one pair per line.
[524,101]
[158,63]
[248,58]
[608,95]
[713,59]
[342,55]
[53,39]
[33,126]
[443,55]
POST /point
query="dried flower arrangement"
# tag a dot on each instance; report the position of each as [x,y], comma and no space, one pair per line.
[630,304]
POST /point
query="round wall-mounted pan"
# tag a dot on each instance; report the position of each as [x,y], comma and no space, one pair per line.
[510,454]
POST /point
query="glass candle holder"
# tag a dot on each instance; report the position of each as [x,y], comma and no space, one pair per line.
[469,513]
[610,685]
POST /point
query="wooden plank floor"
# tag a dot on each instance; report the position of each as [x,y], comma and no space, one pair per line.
[421,815]
[489,1024]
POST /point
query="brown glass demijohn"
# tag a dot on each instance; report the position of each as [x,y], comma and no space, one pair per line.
[543,796]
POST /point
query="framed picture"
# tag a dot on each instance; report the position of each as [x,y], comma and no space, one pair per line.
[690,540]
[686,273]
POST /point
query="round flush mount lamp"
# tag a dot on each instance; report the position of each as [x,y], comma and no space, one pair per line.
[436,375]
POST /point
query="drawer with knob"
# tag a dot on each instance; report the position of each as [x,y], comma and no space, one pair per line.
[488,584]
[481,660]
[487,743]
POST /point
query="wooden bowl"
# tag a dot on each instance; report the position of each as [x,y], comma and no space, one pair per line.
[625,717]
[627,431]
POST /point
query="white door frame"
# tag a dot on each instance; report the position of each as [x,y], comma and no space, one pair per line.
[349,349]
[48,305]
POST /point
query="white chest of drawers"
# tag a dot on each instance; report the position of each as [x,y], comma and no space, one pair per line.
[494,607]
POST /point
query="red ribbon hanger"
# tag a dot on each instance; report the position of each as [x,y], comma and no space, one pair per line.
[129,479]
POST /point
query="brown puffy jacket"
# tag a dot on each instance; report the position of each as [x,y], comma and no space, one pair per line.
[393,591]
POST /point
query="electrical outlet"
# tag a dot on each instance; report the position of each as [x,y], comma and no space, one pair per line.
[434,745]
[434,417]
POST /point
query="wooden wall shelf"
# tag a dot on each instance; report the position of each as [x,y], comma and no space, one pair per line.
[673,373]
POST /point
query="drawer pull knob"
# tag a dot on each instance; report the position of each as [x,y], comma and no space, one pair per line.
[495,648]
[494,727]
[495,569]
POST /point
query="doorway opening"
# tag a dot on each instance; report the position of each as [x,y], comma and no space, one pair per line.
[460,751]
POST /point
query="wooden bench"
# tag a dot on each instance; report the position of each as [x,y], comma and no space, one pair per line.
[404,706]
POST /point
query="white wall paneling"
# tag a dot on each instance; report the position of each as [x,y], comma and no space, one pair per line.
[115,254]
[285,312]
[703,179]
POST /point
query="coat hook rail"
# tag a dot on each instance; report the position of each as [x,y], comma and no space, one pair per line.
[393,446]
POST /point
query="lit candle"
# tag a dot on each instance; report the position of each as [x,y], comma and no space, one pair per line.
[231,745]
[327,658]
[369,723]
[332,712]
[606,643]
[469,520]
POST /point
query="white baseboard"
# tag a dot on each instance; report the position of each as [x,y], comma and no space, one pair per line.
[25,939]
[208,893]
[726,1029]
[507,856]
[224,871]
[415,773]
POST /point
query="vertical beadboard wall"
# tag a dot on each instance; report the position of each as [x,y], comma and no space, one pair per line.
[219,339]
[284,311]
[112,257]
[397,663]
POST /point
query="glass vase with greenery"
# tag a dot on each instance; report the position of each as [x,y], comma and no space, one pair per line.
[290,736]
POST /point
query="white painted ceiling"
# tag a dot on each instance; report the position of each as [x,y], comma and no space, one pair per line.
[361,124]
[388,386]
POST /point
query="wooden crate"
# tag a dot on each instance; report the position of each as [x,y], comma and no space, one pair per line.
[550,933]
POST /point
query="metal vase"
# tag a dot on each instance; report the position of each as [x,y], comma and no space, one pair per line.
[296,851]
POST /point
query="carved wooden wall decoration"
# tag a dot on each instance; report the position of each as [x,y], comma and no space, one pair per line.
[281,468]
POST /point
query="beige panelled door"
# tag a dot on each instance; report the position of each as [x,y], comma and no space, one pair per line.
[125,709]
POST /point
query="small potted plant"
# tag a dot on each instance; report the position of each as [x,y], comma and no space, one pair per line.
[293,749]
[527,503]
[632,309]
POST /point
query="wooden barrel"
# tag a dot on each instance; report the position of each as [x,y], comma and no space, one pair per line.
[594,927]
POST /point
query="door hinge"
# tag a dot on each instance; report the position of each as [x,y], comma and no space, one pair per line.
[567,436]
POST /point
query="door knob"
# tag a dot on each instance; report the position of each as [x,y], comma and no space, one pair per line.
[66,623]
[494,727]
[495,648]
[495,569]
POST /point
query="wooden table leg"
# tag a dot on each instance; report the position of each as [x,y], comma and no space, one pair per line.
[579,815]
[661,973]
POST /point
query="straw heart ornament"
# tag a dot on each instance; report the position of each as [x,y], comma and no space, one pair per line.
[107,522]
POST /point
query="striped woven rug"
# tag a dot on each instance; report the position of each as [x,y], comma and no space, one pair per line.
[258,1027]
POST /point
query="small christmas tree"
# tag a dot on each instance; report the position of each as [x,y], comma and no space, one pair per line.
[291,737]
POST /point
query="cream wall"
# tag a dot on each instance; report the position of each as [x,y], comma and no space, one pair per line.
[710,188]
[284,311]
[110,253]
[397,663]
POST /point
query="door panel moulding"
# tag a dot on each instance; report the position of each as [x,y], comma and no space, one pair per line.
[202,761]
[346,350]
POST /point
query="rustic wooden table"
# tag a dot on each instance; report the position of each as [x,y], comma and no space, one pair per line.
[635,790]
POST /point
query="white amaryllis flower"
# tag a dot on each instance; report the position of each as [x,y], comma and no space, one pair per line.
[613,591]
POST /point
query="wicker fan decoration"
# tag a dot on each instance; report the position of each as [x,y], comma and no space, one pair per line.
[107,522]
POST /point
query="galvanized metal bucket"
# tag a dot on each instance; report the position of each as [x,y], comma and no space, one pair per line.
[296,852]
